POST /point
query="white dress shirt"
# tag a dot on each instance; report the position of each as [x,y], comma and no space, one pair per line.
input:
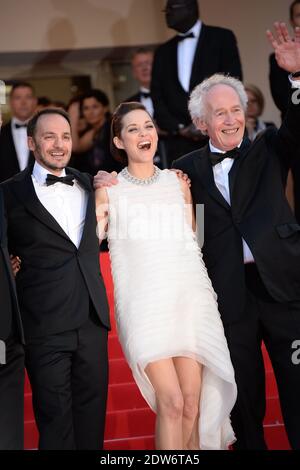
[67,204]
[20,141]
[147,102]
[185,55]
[220,171]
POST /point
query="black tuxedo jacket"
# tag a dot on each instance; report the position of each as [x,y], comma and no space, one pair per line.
[9,309]
[57,282]
[259,213]
[279,84]
[216,51]
[9,164]
[135,97]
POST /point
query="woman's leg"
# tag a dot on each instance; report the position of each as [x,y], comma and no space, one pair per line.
[163,377]
[189,376]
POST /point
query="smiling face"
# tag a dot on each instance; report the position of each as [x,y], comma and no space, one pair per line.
[52,144]
[138,137]
[225,118]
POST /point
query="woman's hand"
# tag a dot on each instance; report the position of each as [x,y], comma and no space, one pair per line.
[103,179]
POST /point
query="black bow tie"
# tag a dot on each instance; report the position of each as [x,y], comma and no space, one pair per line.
[145,94]
[19,126]
[181,37]
[217,157]
[52,179]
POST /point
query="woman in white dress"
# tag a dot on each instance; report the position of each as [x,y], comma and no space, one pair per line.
[166,309]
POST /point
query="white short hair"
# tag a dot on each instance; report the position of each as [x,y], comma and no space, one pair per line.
[197,102]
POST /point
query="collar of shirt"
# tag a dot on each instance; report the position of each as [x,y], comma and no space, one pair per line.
[144,90]
[17,121]
[212,148]
[40,174]
[196,29]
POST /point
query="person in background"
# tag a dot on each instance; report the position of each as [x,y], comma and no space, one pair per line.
[180,64]
[14,151]
[91,147]
[141,64]
[255,108]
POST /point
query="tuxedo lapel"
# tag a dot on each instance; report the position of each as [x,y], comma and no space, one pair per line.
[24,190]
[11,145]
[232,175]
[1,219]
[205,173]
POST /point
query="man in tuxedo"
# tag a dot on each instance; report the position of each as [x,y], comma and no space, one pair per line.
[52,228]
[14,152]
[141,64]
[11,352]
[279,84]
[251,240]
[180,64]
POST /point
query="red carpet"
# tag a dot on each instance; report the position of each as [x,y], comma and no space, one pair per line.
[130,423]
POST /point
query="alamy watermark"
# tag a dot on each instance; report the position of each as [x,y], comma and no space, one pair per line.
[296,96]
[296,353]
[2,352]
[149,222]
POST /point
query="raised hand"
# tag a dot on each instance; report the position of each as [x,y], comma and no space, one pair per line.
[287,49]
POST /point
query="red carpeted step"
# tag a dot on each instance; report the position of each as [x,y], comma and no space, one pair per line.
[271,386]
[28,411]
[124,397]
[119,372]
[267,361]
[273,412]
[31,435]
[129,423]
[276,437]
[114,347]
[135,443]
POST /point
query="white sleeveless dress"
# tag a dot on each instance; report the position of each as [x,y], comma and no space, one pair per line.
[165,305]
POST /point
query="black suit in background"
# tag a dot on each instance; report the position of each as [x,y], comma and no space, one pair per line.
[258,301]
[65,313]
[9,164]
[280,85]
[216,51]
[11,335]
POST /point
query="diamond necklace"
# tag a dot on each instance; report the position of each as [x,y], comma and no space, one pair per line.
[140,181]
